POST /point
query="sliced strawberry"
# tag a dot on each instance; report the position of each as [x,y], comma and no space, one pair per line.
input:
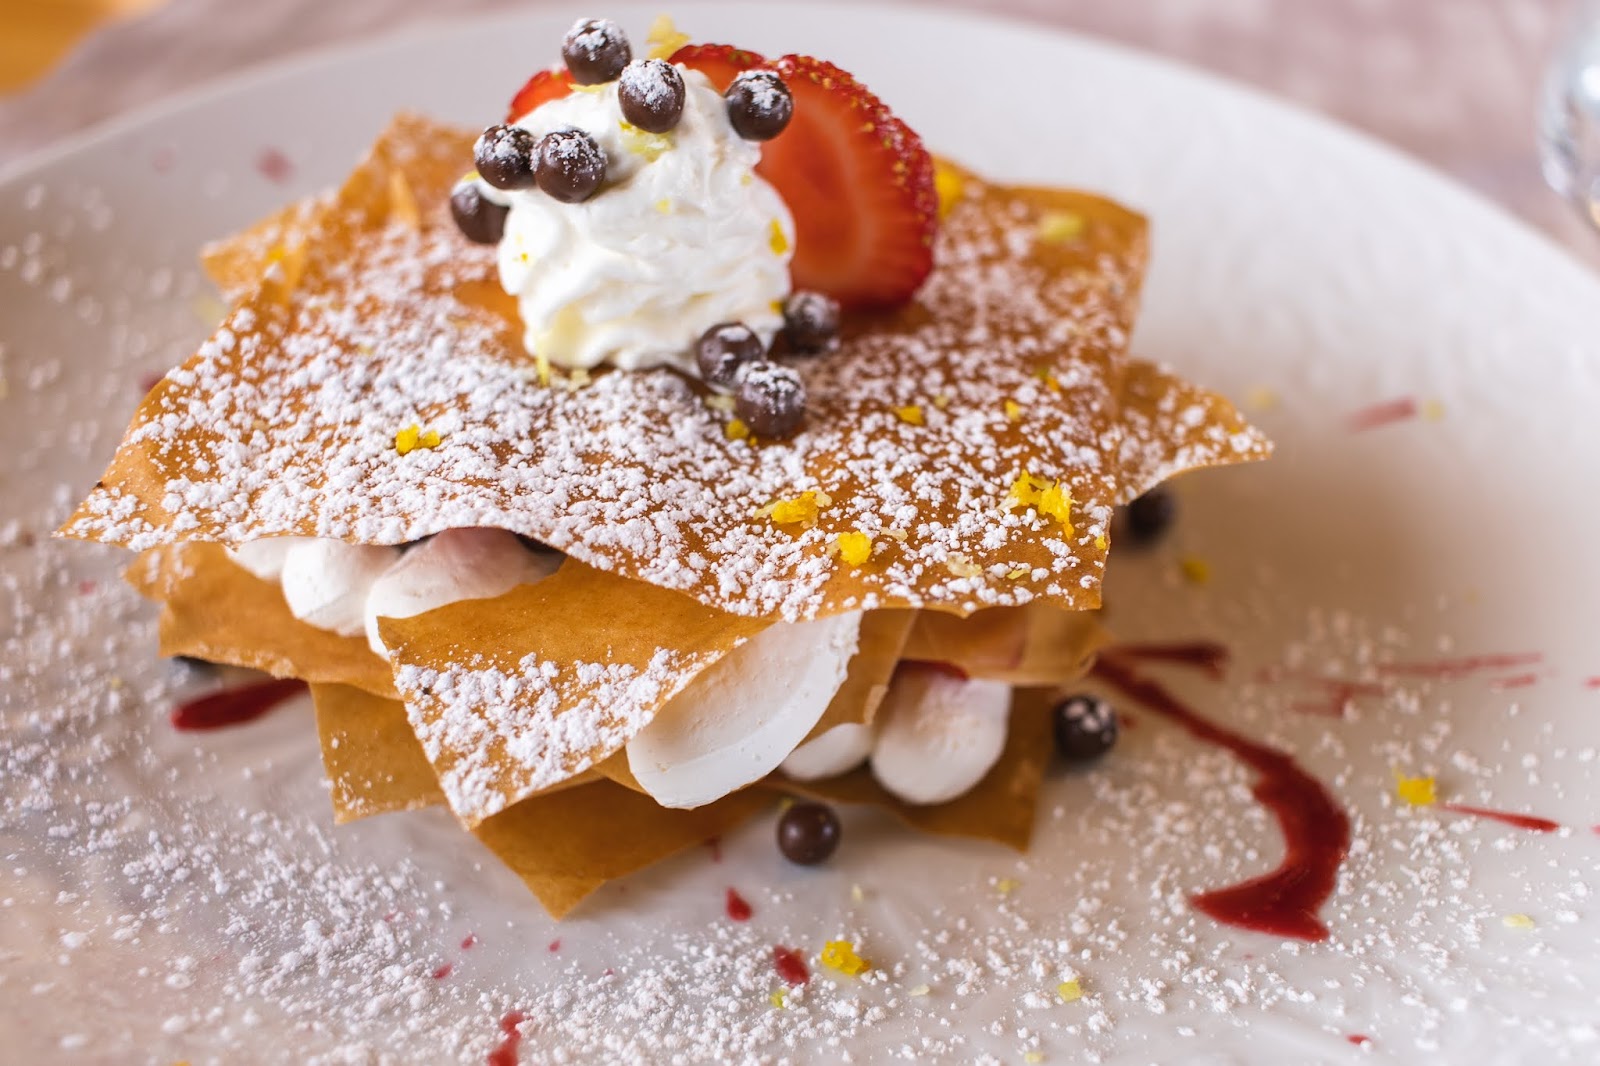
[857,180]
[860,186]
[544,86]
[719,62]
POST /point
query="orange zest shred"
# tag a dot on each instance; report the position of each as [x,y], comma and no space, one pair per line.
[1417,791]
[841,955]
[855,547]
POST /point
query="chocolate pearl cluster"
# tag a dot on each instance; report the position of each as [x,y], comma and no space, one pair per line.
[768,398]
[566,164]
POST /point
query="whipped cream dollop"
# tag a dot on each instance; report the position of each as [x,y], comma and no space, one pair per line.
[682,235]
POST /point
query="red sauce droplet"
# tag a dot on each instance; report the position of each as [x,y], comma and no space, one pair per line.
[470,940]
[790,966]
[1450,669]
[1520,821]
[715,844]
[1500,684]
[1338,695]
[555,946]
[1316,831]
[1382,414]
[1359,1039]
[274,166]
[1208,656]
[234,706]
[738,909]
[444,971]
[505,1052]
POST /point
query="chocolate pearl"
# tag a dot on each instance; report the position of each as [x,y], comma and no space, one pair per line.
[808,833]
[481,220]
[723,349]
[811,322]
[651,95]
[596,50]
[1085,727]
[504,157]
[571,165]
[770,399]
[759,105]
[1143,521]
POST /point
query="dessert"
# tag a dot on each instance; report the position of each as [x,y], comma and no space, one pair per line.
[708,441]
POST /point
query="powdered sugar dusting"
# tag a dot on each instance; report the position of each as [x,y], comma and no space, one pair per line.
[284,422]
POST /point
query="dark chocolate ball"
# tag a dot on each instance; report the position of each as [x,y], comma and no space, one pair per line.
[1146,519]
[808,833]
[504,155]
[570,165]
[481,220]
[1085,727]
[651,94]
[811,322]
[723,349]
[770,399]
[759,105]
[595,51]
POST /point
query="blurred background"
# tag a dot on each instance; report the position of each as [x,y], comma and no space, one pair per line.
[1454,82]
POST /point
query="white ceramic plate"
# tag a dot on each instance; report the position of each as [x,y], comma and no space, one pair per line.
[168,896]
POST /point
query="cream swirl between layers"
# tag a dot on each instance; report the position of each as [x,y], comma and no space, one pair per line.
[682,235]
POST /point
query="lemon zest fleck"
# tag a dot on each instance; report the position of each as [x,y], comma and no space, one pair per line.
[941,400]
[1517,921]
[1033,1057]
[736,429]
[961,566]
[649,146]
[542,367]
[777,239]
[1195,570]
[1007,885]
[1417,791]
[403,202]
[911,414]
[664,206]
[856,895]
[778,998]
[1101,542]
[1049,499]
[920,990]
[948,185]
[799,510]
[897,534]
[1018,574]
[1013,410]
[665,38]
[841,955]
[1432,411]
[719,401]
[1058,227]
[413,437]
[855,547]
[1070,991]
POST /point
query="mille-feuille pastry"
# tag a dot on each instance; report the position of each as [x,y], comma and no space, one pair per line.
[707,439]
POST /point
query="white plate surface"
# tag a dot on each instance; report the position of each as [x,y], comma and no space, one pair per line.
[167,896]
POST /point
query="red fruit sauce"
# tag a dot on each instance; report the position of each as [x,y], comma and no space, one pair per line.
[790,966]
[738,909]
[234,706]
[1519,821]
[505,1052]
[1208,655]
[1316,831]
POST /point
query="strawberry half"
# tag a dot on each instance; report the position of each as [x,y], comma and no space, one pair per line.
[857,180]
[544,86]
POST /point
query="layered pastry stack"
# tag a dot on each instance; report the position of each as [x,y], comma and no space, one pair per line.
[709,441]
